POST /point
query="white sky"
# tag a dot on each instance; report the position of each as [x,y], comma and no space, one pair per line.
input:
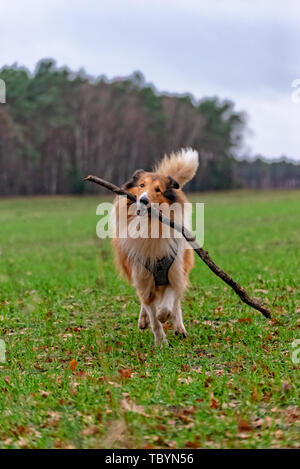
[247,51]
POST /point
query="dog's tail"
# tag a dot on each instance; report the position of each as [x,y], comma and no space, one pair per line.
[181,166]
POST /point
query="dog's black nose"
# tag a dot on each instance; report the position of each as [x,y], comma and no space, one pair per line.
[144,200]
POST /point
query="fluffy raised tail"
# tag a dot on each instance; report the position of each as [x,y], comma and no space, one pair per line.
[181,166]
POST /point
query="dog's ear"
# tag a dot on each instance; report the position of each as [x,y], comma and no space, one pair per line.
[133,180]
[169,192]
[173,184]
[137,174]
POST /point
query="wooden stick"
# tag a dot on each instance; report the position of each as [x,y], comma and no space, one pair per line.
[239,290]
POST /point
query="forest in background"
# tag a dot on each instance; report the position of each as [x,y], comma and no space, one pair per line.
[58,126]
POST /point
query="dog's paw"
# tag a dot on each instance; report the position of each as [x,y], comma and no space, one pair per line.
[143,323]
[181,331]
[161,342]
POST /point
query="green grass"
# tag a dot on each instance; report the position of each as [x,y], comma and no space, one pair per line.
[230,384]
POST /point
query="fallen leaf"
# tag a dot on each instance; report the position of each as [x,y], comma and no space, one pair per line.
[259,423]
[192,444]
[73,365]
[93,430]
[243,425]
[116,385]
[269,421]
[214,403]
[125,373]
[279,434]
[131,406]
[292,414]
[81,374]
[7,379]
[167,326]
[186,380]
[286,386]
[207,382]
[254,396]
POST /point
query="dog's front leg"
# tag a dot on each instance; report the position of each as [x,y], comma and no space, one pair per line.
[178,321]
[165,310]
[156,326]
[143,318]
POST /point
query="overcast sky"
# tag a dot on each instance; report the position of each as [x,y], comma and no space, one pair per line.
[247,51]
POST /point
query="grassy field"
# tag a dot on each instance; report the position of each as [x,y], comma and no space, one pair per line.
[79,373]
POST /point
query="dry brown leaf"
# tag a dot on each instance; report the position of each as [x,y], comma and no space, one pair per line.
[148,446]
[292,414]
[259,423]
[81,374]
[116,385]
[254,396]
[184,418]
[167,326]
[125,373]
[186,380]
[192,444]
[214,403]
[73,365]
[243,425]
[269,421]
[131,406]
[286,386]
[89,431]
[7,379]
[190,410]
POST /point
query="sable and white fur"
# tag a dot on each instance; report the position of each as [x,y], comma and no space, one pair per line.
[163,186]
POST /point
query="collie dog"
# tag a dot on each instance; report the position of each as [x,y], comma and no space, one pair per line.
[157,266]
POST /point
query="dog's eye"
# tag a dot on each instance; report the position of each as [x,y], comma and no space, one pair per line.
[157,189]
[142,185]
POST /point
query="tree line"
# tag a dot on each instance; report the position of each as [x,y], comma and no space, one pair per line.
[57,126]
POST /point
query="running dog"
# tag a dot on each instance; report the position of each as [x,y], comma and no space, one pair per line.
[157,266]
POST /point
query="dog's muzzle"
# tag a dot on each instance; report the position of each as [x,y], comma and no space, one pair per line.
[142,204]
